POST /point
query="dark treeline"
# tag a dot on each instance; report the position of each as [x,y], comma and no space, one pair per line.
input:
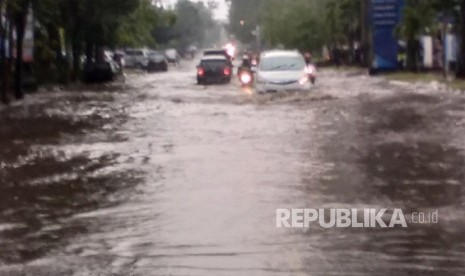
[66,32]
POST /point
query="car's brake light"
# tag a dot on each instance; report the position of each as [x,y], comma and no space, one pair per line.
[200,71]
[227,71]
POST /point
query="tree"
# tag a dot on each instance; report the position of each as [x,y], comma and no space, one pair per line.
[3,65]
[417,18]
[193,22]
[244,17]
[19,17]
[137,28]
[298,24]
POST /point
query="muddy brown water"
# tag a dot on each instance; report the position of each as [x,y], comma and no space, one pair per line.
[165,177]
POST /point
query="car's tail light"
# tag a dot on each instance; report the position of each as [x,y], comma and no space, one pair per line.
[200,71]
[227,71]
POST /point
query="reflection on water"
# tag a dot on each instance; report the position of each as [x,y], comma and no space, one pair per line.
[41,185]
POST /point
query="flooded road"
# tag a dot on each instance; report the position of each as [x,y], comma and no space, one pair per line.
[165,177]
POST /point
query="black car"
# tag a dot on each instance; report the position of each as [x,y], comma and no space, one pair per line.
[157,62]
[214,69]
[218,52]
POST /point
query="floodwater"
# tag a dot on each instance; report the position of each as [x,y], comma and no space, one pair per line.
[161,176]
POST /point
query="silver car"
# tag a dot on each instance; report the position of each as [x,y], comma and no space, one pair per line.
[137,58]
[282,71]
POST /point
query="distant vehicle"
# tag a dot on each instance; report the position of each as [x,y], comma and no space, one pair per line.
[214,69]
[230,50]
[137,58]
[157,62]
[282,71]
[189,52]
[218,52]
[172,56]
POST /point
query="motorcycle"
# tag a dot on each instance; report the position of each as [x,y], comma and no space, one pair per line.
[246,78]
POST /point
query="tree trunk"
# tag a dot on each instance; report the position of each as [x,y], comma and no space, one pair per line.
[55,41]
[75,39]
[20,29]
[3,69]
[76,49]
[461,57]
[7,64]
[365,45]
[412,54]
[90,50]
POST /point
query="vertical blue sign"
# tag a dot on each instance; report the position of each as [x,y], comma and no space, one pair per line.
[385,16]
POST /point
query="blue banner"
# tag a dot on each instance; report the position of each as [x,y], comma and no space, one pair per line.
[385,16]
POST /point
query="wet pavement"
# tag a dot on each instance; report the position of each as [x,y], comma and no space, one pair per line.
[161,176]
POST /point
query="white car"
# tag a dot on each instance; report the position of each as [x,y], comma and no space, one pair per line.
[137,58]
[172,56]
[282,71]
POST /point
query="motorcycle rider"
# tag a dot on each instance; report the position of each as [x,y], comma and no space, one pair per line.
[308,58]
[246,65]
[244,71]
[310,67]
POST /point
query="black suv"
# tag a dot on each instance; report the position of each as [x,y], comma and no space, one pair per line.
[214,68]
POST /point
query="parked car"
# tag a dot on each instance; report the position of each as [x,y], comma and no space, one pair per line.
[137,58]
[105,70]
[172,56]
[282,71]
[120,58]
[218,52]
[157,62]
[214,69]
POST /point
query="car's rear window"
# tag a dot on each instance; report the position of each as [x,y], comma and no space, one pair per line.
[157,57]
[211,53]
[134,53]
[213,64]
[282,63]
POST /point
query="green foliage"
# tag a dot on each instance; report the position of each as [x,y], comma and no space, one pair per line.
[136,29]
[302,24]
[298,24]
[418,17]
[194,22]
[79,26]
[343,21]
[244,16]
